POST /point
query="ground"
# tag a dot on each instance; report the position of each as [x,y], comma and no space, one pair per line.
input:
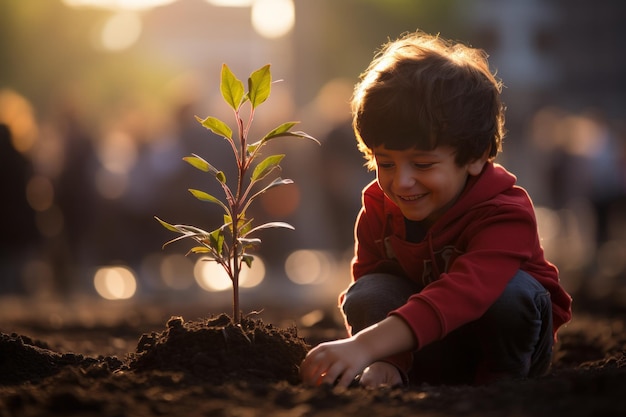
[131,365]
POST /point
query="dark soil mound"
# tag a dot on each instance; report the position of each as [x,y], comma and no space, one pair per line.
[23,359]
[216,350]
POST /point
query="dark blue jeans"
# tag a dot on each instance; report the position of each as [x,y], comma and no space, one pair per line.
[513,339]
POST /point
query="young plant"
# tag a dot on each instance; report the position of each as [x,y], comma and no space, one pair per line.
[229,244]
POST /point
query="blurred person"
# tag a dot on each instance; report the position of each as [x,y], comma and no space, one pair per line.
[449,279]
[608,185]
[73,251]
[341,172]
[19,231]
[586,165]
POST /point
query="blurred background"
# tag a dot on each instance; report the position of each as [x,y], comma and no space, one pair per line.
[97,106]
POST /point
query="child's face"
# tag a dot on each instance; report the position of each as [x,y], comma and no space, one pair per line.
[423,184]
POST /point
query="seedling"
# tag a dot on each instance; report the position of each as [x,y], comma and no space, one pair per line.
[229,244]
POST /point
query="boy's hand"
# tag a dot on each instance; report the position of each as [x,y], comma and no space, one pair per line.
[342,360]
[335,362]
[381,374]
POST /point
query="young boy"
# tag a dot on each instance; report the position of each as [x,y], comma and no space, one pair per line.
[449,280]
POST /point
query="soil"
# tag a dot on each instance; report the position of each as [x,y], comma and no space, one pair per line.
[210,367]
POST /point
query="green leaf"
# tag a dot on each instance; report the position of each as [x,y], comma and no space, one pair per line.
[216,126]
[282,131]
[253,147]
[249,242]
[202,196]
[244,226]
[167,225]
[247,259]
[200,249]
[231,88]
[279,131]
[186,231]
[203,165]
[199,163]
[303,135]
[266,166]
[216,240]
[259,86]
[278,181]
[271,225]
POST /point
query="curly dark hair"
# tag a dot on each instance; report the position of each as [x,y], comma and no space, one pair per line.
[421,91]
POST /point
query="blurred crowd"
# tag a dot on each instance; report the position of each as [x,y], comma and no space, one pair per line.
[72,202]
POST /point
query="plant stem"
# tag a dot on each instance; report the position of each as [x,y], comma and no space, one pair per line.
[238,203]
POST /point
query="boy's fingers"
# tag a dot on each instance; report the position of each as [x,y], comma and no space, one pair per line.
[313,369]
[346,379]
[333,373]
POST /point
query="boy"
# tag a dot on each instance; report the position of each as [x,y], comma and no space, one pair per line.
[449,280]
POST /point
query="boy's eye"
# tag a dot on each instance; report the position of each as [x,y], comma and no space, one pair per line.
[385,165]
[423,165]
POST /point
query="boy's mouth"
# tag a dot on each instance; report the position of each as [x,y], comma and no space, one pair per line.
[411,197]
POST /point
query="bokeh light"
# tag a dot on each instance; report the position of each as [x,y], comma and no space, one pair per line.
[118,152]
[210,275]
[18,114]
[120,31]
[306,266]
[177,271]
[115,282]
[273,18]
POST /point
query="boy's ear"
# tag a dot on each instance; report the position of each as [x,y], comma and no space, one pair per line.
[476,166]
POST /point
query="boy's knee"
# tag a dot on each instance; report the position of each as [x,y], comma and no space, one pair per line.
[524,303]
[372,297]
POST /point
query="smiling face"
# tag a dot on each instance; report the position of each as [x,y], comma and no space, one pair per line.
[423,184]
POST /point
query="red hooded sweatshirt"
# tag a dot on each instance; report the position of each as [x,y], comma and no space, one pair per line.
[466,258]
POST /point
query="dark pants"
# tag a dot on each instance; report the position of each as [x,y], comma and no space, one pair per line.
[513,339]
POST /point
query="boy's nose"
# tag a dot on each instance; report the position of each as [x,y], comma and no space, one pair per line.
[404,178]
